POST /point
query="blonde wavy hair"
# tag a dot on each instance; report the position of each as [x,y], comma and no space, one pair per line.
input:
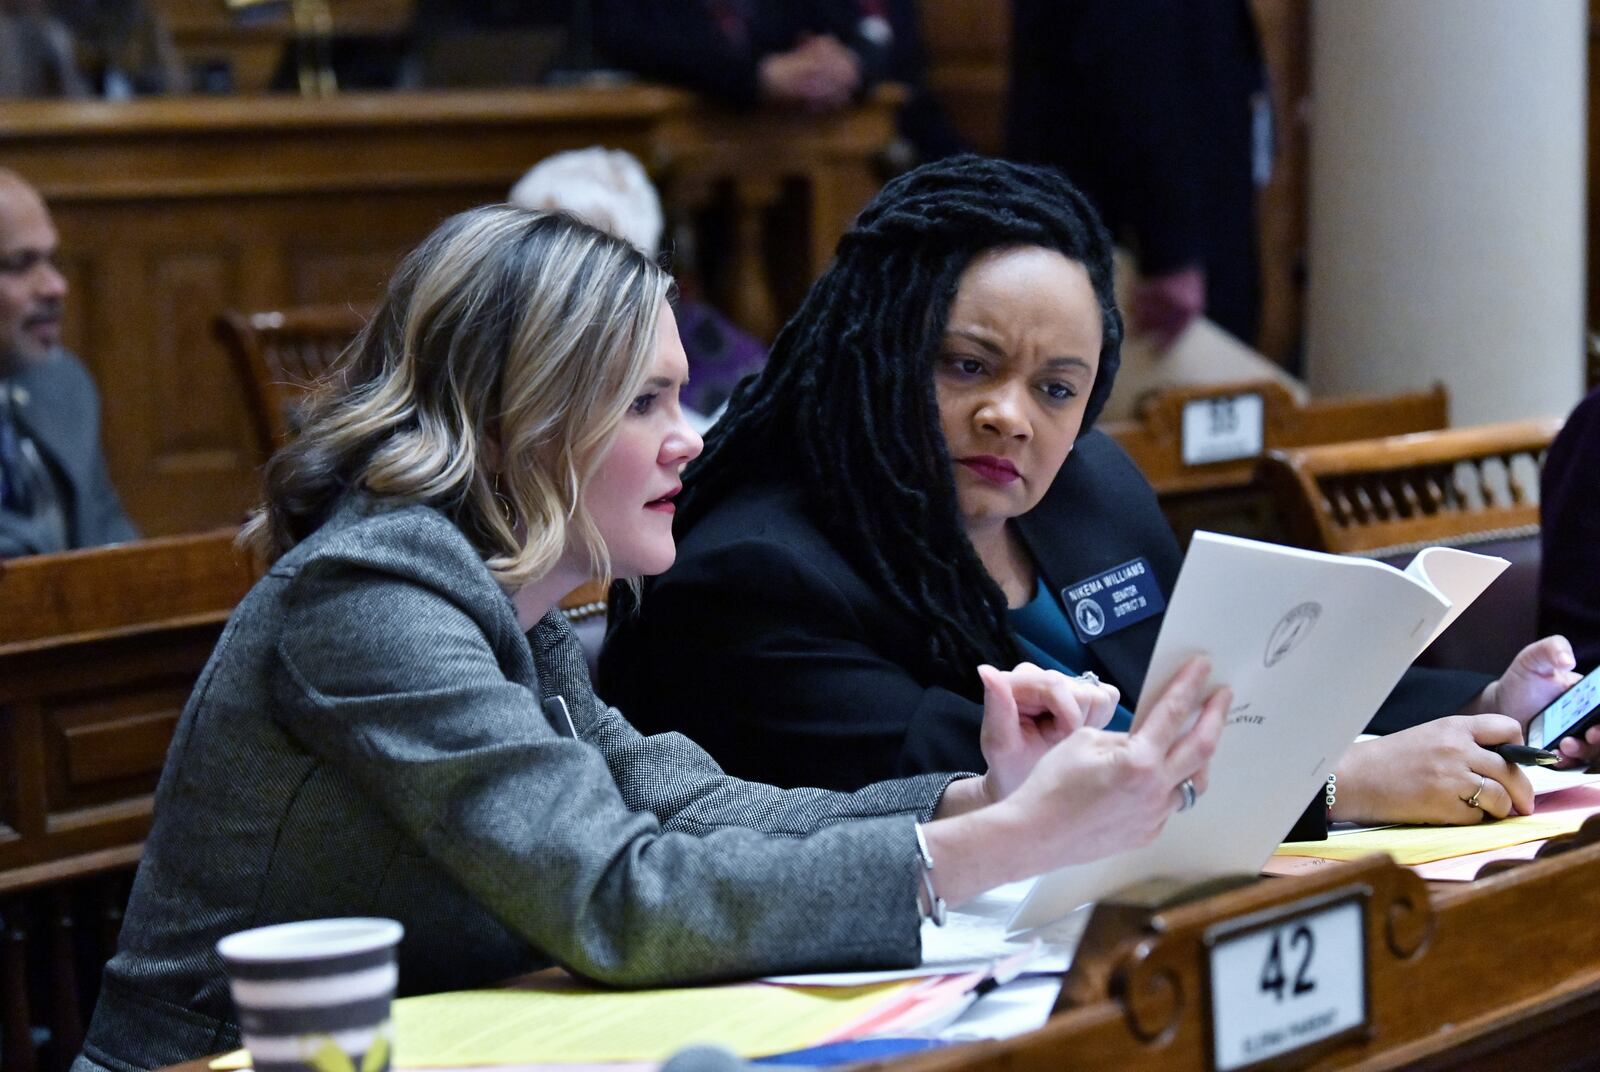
[488,383]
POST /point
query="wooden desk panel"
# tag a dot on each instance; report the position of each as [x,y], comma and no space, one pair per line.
[172,211]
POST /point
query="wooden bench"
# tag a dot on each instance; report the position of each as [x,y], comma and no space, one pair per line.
[1389,497]
[98,652]
[1206,475]
[1388,494]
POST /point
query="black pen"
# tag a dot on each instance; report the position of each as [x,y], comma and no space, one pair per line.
[1525,756]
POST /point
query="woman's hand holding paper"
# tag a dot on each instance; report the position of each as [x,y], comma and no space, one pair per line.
[1090,795]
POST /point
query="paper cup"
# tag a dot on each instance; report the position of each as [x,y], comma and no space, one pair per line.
[315,995]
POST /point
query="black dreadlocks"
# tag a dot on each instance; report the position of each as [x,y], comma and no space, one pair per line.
[847,398]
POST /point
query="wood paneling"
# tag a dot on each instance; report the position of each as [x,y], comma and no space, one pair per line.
[172,211]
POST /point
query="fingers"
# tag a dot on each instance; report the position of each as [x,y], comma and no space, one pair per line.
[1192,752]
[1547,656]
[1171,711]
[1000,724]
[1581,751]
[1512,791]
[1048,692]
[1493,800]
[1494,729]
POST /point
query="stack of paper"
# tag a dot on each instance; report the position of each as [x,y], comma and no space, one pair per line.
[1450,853]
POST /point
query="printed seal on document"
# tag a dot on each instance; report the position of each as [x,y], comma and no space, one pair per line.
[1290,632]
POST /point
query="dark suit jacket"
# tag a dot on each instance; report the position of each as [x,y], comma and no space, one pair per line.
[683,42]
[370,739]
[767,646]
[1569,511]
[1147,106]
[60,411]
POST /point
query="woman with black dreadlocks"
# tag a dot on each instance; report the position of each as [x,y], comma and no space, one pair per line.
[912,486]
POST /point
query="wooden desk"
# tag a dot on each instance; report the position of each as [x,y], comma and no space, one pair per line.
[1499,973]
[172,211]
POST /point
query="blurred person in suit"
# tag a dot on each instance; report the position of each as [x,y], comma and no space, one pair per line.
[55,490]
[124,47]
[817,55]
[1158,112]
[37,53]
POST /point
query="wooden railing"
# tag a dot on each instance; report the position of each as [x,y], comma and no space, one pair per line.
[172,211]
[1432,487]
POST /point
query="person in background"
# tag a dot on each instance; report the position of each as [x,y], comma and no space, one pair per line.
[55,491]
[36,54]
[609,189]
[124,47]
[910,489]
[1157,111]
[397,720]
[1569,530]
[817,55]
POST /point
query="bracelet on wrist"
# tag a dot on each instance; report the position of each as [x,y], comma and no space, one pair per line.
[1330,792]
[936,905]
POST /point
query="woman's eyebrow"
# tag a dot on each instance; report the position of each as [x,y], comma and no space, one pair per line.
[1068,362]
[979,340]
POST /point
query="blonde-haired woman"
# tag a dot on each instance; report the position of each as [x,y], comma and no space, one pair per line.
[397,721]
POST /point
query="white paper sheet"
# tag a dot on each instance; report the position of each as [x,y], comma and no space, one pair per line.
[1311,644]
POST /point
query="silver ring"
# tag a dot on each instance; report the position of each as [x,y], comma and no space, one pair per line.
[1089,677]
[1472,801]
[1187,790]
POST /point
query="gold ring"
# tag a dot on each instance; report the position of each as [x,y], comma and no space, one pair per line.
[1472,801]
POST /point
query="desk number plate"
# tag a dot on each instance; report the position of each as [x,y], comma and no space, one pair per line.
[1223,429]
[1288,980]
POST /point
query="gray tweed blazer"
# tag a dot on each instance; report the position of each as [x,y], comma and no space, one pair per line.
[369,738]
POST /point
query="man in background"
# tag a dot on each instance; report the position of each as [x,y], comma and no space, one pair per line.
[1157,111]
[36,54]
[55,492]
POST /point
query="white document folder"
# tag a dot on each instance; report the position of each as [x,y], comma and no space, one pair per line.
[1311,645]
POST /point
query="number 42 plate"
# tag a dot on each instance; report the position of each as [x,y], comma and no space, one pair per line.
[1290,979]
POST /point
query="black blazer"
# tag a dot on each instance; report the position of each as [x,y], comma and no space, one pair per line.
[767,647]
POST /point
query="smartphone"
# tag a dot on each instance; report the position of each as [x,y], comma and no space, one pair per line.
[1571,713]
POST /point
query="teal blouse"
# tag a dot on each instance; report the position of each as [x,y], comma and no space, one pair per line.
[1046,638]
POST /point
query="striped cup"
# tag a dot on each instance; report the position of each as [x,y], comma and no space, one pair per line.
[315,994]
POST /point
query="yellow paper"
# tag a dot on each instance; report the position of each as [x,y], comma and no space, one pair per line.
[231,1062]
[565,1022]
[1424,844]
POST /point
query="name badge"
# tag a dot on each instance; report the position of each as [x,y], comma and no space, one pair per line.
[1110,601]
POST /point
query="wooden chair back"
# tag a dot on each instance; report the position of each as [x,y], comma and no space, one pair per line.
[99,650]
[1156,440]
[1383,496]
[280,356]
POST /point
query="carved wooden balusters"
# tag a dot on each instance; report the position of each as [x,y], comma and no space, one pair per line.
[1456,485]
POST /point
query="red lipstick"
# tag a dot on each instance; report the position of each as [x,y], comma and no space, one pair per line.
[665,504]
[998,471]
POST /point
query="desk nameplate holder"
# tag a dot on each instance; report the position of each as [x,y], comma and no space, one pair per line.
[1223,428]
[1291,982]
[1150,949]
